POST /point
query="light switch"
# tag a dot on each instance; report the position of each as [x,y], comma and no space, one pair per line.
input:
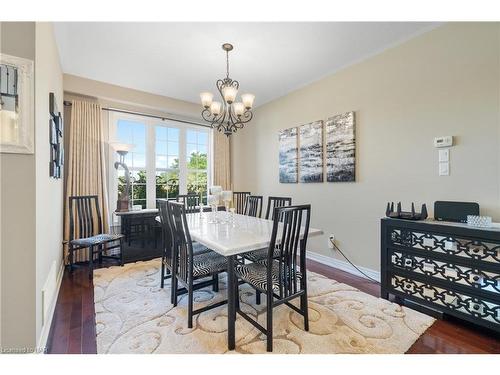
[444,169]
[444,155]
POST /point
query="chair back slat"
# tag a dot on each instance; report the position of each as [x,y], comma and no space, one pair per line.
[289,236]
[84,216]
[239,200]
[253,206]
[166,231]
[275,202]
[191,202]
[183,246]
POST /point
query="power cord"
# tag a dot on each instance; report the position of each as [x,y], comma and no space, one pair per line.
[351,263]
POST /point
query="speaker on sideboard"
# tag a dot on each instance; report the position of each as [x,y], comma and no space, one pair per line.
[454,211]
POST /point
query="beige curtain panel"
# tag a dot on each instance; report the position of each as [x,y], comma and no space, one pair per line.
[85,168]
[222,161]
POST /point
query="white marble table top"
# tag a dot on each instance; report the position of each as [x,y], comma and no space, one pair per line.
[249,233]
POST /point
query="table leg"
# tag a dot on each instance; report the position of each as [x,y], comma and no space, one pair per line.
[231,303]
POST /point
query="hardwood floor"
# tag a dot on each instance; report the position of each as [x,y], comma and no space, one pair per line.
[73,325]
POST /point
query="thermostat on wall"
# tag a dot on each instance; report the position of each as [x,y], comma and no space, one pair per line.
[446,141]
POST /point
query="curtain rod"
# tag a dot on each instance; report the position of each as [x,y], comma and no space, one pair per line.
[163,118]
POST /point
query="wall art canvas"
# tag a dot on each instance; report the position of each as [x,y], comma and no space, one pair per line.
[340,148]
[311,152]
[288,153]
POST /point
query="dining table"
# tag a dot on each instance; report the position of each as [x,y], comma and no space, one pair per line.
[231,235]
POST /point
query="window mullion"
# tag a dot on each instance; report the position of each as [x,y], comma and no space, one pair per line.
[182,161]
[150,166]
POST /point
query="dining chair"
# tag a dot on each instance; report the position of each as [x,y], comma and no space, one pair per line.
[239,200]
[280,278]
[86,232]
[188,267]
[272,204]
[168,244]
[275,202]
[253,206]
[191,202]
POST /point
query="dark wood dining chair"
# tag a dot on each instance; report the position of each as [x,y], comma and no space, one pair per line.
[168,244]
[239,200]
[275,202]
[280,278]
[188,267]
[272,204]
[191,202]
[253,206]
[86,232]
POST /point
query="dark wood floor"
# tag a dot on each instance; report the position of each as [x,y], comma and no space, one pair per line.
[73,326]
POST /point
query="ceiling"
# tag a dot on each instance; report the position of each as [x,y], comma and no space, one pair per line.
[180,60]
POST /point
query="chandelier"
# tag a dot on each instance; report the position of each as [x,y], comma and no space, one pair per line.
[228,116]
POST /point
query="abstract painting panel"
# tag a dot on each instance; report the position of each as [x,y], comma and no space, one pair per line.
[288,155]
[311,152]
[340,148]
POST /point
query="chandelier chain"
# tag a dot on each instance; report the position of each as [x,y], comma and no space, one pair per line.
[227,64]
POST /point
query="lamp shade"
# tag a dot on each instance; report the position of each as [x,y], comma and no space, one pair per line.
[229,93]
[248,100]
[121,147]
[206,99]
[215,108]
[238,108]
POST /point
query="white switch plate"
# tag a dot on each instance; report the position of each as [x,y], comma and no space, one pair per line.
[444,155]
[444,169]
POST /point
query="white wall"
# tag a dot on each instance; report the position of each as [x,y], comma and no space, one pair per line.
[445,82]
[49,191]
[17,218]
[31,201]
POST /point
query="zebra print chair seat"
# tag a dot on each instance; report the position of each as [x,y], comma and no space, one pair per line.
[255,274]
[96,240]
[208,263]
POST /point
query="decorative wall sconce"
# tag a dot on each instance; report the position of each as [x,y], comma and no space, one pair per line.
[123,203]
[16,105]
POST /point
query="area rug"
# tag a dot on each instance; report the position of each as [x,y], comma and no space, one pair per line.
[134,315]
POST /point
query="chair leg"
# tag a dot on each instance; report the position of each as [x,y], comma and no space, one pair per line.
[91,262]
[162,275]
[237,293]
[269,328]
[257,297]
[173,286]
[101,249]
[70,259]
[305,310]
[215,285]
[190,305]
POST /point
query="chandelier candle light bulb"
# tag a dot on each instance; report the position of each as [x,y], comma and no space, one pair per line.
[228,116]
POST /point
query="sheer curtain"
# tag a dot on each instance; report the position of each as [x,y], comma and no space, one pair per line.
[222,160]
[85,168]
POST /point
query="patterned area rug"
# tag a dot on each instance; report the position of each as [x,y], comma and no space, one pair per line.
[134,315]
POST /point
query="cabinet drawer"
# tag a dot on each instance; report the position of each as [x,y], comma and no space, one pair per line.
[464,275]
[476,249]
[469,307]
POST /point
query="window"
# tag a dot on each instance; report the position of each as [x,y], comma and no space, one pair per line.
[197,163]
[167,162]
[169,158]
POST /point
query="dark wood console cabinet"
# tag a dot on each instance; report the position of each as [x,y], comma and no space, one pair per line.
[448,267]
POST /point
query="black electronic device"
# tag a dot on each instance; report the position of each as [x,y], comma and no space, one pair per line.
[454,211]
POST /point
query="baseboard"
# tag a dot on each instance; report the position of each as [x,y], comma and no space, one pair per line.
[44,334]
[342,265]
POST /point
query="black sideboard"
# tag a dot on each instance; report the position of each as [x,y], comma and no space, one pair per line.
[448,267]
